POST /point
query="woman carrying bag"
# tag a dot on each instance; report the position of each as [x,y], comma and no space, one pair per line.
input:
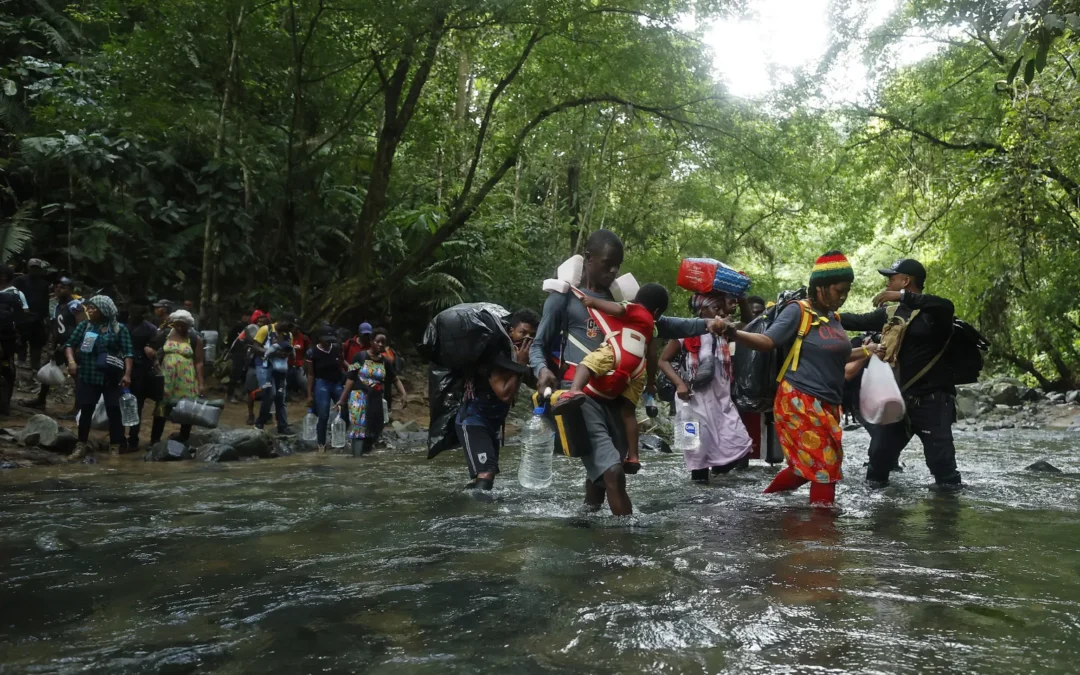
[181,357]
[99,356]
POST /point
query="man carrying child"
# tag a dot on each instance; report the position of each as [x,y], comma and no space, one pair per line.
[568,333]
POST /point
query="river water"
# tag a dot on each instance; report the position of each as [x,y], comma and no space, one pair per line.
[385,565]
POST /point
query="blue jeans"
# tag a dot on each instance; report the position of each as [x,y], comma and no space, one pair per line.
[273,393]
[327,393]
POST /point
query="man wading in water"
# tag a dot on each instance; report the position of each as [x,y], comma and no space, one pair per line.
[551,354]
[925,325]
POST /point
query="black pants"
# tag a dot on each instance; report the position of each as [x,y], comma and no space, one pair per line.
[930,417]
[33,335]
[159,428]
[86,396]
[7,375]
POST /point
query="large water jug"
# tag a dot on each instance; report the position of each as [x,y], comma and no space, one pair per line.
[337,431]
[538,445]
[129,409]
[210,345]
[687,430]
[311,422]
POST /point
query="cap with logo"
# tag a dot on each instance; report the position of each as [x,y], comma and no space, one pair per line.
[37,262]
[908,266]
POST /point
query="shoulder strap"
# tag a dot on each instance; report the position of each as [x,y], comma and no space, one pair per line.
[806,320]
[933,362]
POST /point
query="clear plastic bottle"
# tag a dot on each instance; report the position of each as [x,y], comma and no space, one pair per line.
[311,422]
[687,430]
[538,444]
[650,405]
[129,409]
[337,431]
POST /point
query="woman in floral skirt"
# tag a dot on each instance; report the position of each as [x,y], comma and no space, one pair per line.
[369,375]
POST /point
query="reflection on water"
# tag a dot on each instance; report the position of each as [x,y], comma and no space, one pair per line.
[384,565]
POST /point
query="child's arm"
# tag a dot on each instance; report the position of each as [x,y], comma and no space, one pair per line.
[609,307]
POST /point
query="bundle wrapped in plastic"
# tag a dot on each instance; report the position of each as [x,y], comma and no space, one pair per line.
[445,390]
[703,275]
[199,412]
[465,335]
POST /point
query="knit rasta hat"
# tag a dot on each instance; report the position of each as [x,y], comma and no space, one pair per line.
[832,268]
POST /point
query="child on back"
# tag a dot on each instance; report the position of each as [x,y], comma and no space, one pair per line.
[620,368]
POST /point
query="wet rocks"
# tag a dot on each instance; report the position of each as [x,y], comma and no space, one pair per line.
[1072,397]
[287,446]
[406,427]
[1056,397]
[247,442]
[653,444]
[216,452]
[1007,393]
[972,402]
[1042,466]
[167,451]
[39,430]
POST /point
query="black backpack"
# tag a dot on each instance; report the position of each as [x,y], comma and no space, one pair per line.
[11,313]
[964,353]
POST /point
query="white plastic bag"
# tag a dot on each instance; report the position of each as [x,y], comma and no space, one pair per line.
[880,400]
[100,420]
[51,374]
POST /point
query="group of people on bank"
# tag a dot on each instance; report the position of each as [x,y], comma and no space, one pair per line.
[552,352]
[353,376]
[156,352]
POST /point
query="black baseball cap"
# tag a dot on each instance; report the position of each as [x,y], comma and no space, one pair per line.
[908,266]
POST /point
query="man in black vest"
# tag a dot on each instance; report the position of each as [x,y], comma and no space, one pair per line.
[923,376]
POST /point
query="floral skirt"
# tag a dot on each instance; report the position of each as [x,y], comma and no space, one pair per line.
[365,415]
[810,433]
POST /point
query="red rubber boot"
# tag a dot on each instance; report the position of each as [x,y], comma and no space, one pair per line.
[822,494]
[787,479]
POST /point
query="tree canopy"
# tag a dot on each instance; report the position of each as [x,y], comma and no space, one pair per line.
[361,158]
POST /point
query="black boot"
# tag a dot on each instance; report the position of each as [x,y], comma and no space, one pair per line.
[700,476]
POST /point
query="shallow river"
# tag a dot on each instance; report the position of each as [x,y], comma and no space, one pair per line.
[384,565]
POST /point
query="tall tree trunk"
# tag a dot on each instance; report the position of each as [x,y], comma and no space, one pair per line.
[573,201]
[207,305]
[399,105]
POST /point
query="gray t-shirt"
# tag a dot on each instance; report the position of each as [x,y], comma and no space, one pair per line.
[825,351]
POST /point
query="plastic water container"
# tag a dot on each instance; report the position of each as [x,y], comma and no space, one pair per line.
[538,445]
[199,413]
[337,431]
[311,422]
[650,405]
[687,430]
[210,345]
[385,410]
[129,409]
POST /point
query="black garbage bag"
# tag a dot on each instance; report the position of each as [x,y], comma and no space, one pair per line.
[755,373]
[445,389]
[465,335]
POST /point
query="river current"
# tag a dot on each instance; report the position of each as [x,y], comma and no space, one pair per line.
[315,564]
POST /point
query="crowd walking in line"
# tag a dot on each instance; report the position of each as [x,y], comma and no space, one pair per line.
[156,352]
[600,356]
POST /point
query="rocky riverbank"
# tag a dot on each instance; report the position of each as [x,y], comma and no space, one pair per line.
[1007,403]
